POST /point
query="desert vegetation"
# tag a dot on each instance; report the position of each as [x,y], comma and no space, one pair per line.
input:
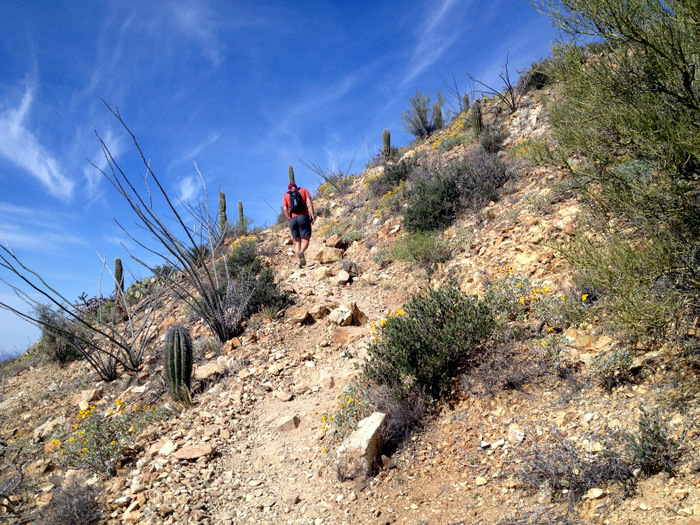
[624,136]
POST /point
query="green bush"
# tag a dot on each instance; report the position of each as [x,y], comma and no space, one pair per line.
[423,345]
[57,342]
[423,248]
[393,175]
[612,368]
[535,76]
[492,139]
[433,202]
[630,116]
[438,196]
[652,449]
[243,289]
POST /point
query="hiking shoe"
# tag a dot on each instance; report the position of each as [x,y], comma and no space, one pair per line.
[302,259]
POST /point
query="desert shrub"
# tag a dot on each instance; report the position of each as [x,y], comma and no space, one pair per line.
[420,119]
[612,368]
[247,287]
[382,257]
[449,143]
[651,447]
[571,472]
[534,77]
[492,139]
[56,343]
[206,345]
[421,346]
[75,503]
[362,397]
[100,443]
[393,175]
[630,116]
[354,405]
[425,249]
[433,202]
[439,195]
[630,279]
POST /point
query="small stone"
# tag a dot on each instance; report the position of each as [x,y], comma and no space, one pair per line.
[286,423]
[515,434]
[283,395]
[479,481]
[195,451]
[595,493]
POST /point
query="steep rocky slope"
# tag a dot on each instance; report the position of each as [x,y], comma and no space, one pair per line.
[254,447]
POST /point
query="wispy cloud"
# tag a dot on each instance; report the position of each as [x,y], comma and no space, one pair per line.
[21,147]
[193,152]
[35,230]
[433,40]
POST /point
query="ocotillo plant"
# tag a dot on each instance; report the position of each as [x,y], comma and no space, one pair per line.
[386,140]
[223,221]
[178,363]
[118,276]
[477,123]
[291,175]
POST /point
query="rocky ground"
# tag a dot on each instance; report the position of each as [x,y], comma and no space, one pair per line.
[253,447]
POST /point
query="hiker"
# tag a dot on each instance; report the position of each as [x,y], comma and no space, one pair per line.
[299,209]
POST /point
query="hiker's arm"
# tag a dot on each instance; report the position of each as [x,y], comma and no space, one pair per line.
[287,212]
[310,207]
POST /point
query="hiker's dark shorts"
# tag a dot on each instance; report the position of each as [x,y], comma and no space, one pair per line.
[300,226]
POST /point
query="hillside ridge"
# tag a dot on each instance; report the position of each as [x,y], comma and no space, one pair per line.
[256,447]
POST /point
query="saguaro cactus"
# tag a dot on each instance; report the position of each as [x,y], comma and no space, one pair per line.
[118,276]
[291,175]
[223,221]
[465,102]
[437,116]
[178,363]
[477,123]
[386,142]
[241,219]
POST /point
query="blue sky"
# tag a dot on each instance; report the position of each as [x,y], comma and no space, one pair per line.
[243,90]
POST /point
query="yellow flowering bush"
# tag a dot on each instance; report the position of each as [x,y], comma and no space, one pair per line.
[392,201]
[100,442]
[355,405]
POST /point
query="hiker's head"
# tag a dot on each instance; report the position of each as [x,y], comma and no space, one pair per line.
[292,186]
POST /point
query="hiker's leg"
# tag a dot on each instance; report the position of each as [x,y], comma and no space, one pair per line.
[297,247]
[303,244]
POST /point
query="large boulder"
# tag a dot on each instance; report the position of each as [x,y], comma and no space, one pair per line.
[329,255]
[357,454]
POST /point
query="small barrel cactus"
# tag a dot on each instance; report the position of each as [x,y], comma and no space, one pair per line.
[386,142]
[178,363]
[291,175]
[118,276]
[223,221]
[477,123]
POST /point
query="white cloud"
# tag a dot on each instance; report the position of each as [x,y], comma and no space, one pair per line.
[187,189]
[21,147]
